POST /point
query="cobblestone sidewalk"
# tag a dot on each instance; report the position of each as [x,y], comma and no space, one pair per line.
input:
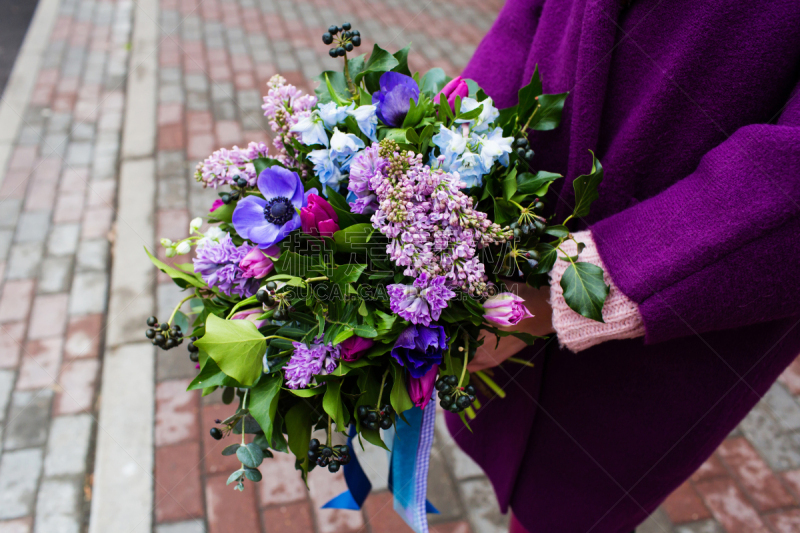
[75,190]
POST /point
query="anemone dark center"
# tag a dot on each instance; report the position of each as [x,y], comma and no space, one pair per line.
[279,210]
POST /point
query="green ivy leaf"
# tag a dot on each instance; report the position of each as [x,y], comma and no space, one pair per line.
[261,164]
[210,376]
[347,273]
[548,115]
[379,61]
[547,258]
[527,96]
[584,289]
[535,184]
[250,455]
[332,403]
[223,213]
[558,231]
[298,427]
[585,187]
[355,66]
[236,346]
[373,436]
[264,401]
[354,238]
[402,61]
[401,401]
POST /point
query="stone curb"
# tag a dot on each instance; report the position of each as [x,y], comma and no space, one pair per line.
[123,477]
[20,85]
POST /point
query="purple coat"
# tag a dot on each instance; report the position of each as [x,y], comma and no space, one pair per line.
[693,109]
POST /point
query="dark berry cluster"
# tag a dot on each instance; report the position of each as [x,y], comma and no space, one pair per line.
[374,418]
[523,149]
[162,335]
[238,186]
[532,257]
[269,298]
[533,225]
[452,397]
[331,456]
[344,39]
[194,351]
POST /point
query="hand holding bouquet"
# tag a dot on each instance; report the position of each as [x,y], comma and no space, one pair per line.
[350,271]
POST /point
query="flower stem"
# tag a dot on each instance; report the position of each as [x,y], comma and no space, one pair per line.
[466,356]
[244,404]
[278,337]
[328,440]
[320,278]
[350,85]
[380,392]
[175,311]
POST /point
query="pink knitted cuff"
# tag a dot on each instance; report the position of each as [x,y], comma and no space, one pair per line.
[575,332]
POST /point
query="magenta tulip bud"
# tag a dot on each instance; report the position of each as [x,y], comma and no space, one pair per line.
[455,87]
[318,217]
[251,315]
[256,264]
[216,205]
[352,348]
[505,309]
[421,389]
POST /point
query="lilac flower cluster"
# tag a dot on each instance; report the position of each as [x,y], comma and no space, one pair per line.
[285,105]
[308,361]
[422,301]
[367,164]
[218,263]
[223,166]
[432,225]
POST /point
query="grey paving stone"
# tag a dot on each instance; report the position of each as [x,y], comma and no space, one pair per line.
[461,464]
[58,507]
[170,164]
[92,255]
[79,153]
[59,122]
[6,237]
[172,193]
[6,386]
[64,239]
[783,407]
[764,432]
[482,508]
[196,82]
[24,260]
[28,419]
[83,131]
[55,144]
[170,93]
[104,167]
[703,526]
[657,522]
[224,110]
[441,490]
[9,212]
[88,294]
[193,526]
[221,91]
[68,445]
[19,475]
[32,226]
[31,135]
[196,101]
[55,275]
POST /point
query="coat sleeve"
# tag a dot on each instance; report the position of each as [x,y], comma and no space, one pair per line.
[720,248]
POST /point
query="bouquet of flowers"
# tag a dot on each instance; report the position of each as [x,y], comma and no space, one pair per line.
[351,270]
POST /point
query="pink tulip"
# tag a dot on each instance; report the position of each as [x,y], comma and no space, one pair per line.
[353,348]
[257,265]
[421,389]
[318,217]
[250,314]
[505,309]
[455,87]
[216,205]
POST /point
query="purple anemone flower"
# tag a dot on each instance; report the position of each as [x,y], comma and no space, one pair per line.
[418,348]
[393,100]
[267,221]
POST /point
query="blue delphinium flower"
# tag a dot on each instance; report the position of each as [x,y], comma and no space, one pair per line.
[488,115]
[494,147]
[451,143]
[470,168]
[367,120]
[333,114]
[311,130]
[393,100]
[344,146]
[326,168]
[418,348]
[267,221]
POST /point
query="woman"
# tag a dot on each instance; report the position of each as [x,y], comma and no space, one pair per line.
[693,109]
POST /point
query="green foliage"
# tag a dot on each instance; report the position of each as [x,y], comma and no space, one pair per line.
[332,87]
[250,455]
[332,404]
[379,61]
[402,61]
[236,346]
[585,187]
[354,238]
[299,420]
[433,81]
[399,397]
[181,278]
[264,401]
[584,289]
[548,114]
[535,184]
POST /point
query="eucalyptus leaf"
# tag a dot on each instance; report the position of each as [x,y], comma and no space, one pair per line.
[236,346]
[250,455]
[585,290]
[236,476]
[253,474]
[230,450]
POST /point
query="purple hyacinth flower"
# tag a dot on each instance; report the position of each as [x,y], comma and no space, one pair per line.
[393,100]
[268,221]
[422,301]
[418,348]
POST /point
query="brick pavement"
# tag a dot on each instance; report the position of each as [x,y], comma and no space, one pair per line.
[57,208]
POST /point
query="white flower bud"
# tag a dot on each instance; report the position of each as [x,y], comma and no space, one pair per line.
[183,248]
[195,224]
[166,243]
[171,252]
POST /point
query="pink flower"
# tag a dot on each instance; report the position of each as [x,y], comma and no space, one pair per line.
[354,347]
[505,309]
[319,217]
[257,265]
[216,205]
[251,315]
[456,87]
[421,389]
